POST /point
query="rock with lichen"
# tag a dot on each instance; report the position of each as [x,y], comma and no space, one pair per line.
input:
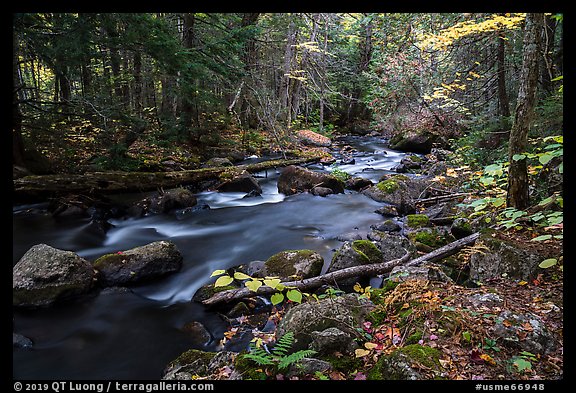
[139,264]
[46,275]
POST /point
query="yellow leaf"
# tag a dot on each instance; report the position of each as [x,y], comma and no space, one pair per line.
[361,352]
[488,359]
[223,281]
[523,283]
[370,345]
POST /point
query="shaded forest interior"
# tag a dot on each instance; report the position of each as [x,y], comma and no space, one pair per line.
[134,91]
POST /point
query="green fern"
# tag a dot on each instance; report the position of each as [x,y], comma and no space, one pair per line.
[278,356]
[295,357]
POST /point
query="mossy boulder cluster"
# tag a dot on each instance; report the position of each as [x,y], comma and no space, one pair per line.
[46,275]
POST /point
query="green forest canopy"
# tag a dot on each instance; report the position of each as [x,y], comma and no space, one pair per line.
[88,86]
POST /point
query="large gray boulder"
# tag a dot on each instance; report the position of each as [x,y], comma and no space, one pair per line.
[45,275]
[295,179]
[524,332]
[503,257]
[415,142]
[401,191]
[139,264]
[354,253]
[344,312]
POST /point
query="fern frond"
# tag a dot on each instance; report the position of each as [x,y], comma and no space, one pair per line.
[284,344]
[294,358]
[262,359]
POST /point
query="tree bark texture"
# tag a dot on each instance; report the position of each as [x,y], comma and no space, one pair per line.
[518,193]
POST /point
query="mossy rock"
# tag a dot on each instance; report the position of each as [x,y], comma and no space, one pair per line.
[399,364]
[207,291]
[417,220]
[388,186]
[430,237]
[193,362]
[295,263]
[367,250]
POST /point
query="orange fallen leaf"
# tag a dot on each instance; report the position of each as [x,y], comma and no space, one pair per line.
[488,359]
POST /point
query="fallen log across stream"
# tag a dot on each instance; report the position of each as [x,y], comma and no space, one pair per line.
[331,278]
[116,182]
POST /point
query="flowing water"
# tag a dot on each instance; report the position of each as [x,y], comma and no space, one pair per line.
[134,334]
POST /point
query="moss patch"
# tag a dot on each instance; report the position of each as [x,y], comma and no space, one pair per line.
[417,220]
[388,186]
[367,250]
[396,366]
[344,364]
[431,238]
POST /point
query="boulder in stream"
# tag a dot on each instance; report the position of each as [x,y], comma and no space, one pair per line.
[294,263]
[354,253]
[401,191]
[139,264]
[241,183]
[45,275]
[295,179]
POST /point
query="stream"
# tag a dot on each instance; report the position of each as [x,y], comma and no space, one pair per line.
[134,334]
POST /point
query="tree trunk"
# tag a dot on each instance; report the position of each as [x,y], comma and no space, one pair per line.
[186,95]
[249,58]
[518,192]
[137,87]
[503,103]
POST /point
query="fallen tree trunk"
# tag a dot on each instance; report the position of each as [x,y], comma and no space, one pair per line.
[331,278]
[114,182]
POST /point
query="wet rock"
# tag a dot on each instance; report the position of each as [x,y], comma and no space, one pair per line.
[439,154]
[409,163]
[296,179]
[387,210]
[525,332]
[331,340]
[321,191]
[358,183]
[343,312]
[20,341]
[198,332]
[348,161]
[45,275]
[295,263]
[242,183]
[350,236]
[415,142]
[163,202]
[387,226]
[252,194]
[139,264]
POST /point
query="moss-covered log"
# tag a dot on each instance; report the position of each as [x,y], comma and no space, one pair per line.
[117,182]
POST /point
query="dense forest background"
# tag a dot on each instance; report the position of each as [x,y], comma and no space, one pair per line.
[131,90]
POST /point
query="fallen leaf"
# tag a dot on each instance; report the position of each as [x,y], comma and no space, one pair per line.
[361,352]
[488,359]
[475,356]
[370,345]
[337,375]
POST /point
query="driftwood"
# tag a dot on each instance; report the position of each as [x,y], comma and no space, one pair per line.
[114,182]
[331,278]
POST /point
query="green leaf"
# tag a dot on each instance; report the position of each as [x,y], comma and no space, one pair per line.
[253,285]
[497,202]
[218,272]
[541,238]
[241,276]
[467,336]
[294,295]
[561,167]
[545,264]
[272,282]
[486,181]
[545,158]
[277,298]
[522,364]
[518,157]
[223,281]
